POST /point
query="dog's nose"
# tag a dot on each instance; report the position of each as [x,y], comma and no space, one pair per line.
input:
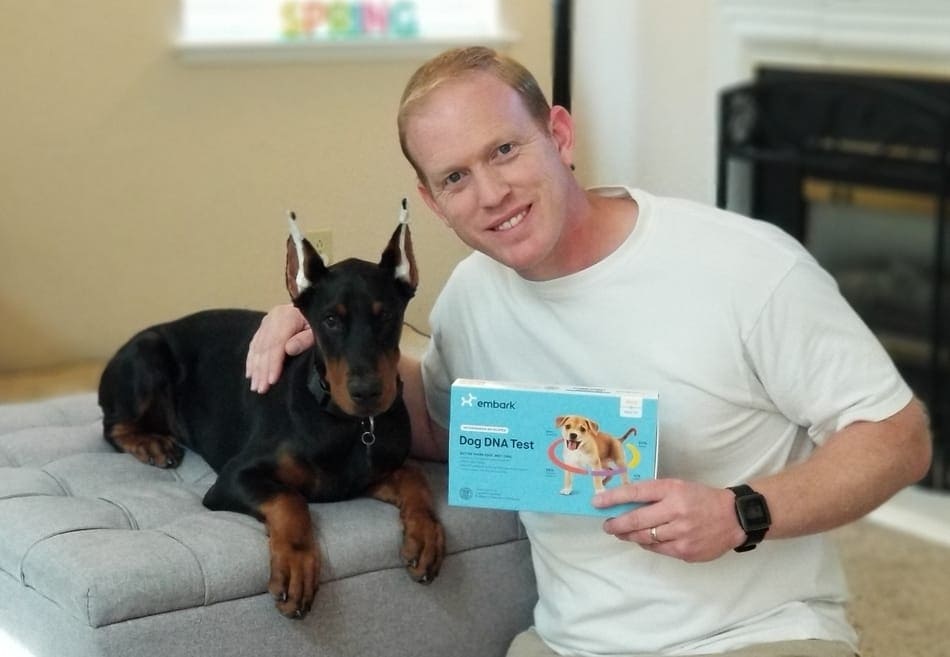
[573,436]
[365,390]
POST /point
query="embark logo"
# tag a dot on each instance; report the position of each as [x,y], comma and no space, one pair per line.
[498,405]
[474,402]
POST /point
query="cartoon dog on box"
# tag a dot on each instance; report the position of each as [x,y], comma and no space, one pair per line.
[588,450]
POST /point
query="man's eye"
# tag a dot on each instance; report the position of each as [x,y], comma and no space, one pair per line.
[453,178]
[504,149]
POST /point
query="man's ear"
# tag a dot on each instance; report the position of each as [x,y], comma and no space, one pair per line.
[561,126]
[430,201]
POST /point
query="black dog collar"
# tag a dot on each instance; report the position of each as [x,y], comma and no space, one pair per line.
[320,389]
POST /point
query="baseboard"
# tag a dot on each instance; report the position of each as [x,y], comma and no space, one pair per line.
[918,511]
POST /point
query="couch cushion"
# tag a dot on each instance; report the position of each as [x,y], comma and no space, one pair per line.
[69,410]
[107,538]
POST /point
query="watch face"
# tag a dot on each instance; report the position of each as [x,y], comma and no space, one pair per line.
[753,513]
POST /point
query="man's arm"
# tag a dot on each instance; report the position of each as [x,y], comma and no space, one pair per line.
[429,440]
[853,472]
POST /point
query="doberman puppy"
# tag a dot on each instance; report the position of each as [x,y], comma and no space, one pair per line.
[332,428]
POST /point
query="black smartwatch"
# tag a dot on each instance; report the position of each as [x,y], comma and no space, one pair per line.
[753,515]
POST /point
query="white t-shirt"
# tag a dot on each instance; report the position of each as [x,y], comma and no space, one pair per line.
[757,360]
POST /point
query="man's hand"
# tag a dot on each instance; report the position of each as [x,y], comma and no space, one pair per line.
[283,332]
[689,521]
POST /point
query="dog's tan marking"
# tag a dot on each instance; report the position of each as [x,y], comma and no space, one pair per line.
[423,545]
[293,473]
[149,448]
[338,372]
[294,558]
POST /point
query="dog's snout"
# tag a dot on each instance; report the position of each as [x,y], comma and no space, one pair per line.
[365,389]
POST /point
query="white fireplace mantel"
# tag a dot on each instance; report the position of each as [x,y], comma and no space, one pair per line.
[888,36]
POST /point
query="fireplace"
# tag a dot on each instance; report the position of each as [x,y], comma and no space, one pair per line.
[857,167]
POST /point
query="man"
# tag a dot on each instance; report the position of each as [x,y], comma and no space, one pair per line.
[767,379]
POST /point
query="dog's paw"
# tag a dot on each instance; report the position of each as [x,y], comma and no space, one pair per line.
[567,491]
[294,580]
[423,547]
[152,449]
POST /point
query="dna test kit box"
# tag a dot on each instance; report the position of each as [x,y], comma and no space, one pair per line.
[547,448]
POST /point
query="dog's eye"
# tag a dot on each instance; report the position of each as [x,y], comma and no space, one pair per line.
[332,323]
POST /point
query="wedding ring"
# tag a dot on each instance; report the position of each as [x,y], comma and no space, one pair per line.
[653,535]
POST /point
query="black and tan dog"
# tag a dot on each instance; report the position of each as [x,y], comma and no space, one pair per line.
[333,427]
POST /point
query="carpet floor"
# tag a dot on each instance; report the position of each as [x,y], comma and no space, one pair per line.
[900,591]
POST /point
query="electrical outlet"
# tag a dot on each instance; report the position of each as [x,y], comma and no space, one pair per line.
[322,241]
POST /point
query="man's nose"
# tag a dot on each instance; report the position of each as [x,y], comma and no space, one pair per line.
[492,188]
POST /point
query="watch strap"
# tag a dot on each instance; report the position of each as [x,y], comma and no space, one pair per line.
[752,537]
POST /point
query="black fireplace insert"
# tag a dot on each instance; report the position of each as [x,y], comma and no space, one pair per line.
[857,167]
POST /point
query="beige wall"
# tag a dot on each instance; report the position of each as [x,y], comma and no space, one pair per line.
[136,187]
[643,103]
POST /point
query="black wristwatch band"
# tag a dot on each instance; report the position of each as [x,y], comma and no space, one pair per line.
[752,511]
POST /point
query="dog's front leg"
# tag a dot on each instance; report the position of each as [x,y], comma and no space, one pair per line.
[423,544]
[294,556]
[568,487]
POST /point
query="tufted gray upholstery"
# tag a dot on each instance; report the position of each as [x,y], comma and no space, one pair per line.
[101,555]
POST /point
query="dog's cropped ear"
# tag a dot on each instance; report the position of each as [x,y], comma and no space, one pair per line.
[304,265]
[398,255]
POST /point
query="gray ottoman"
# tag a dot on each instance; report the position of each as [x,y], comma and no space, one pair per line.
[101,555]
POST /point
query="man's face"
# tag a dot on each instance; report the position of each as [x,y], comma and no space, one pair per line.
[495,176]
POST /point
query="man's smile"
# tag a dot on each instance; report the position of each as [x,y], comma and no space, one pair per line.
[512,221]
